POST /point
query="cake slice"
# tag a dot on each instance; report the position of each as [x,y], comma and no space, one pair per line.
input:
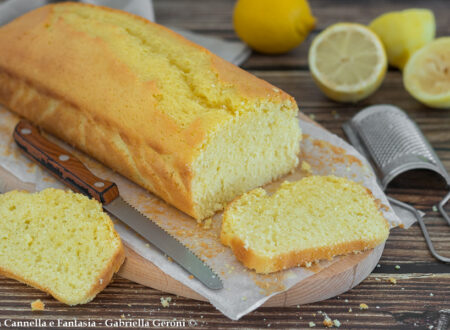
[316,218]
[59,242]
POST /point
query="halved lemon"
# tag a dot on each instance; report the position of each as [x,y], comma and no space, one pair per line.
[404,32]
[427,74]
[347,61]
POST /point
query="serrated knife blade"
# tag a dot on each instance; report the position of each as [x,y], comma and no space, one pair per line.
[164,241]
[70,170]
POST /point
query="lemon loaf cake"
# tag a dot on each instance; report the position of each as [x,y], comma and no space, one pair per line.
[59,242]
[157,108]
[315,218]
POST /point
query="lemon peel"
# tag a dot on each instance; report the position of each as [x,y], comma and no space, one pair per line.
[427,74]
[273,27]
[404,32]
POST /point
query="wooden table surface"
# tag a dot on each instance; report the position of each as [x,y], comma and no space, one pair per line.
[423,284]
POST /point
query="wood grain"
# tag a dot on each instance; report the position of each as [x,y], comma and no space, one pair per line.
[405,305]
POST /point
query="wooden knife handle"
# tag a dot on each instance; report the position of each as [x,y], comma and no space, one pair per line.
[62,164]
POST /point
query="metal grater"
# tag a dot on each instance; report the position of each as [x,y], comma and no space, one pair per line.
[394,144]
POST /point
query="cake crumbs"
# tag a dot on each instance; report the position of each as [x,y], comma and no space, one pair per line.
[191,277]
[327,322]
[431,294]
[397,267]
[37,305]
[165,301]
[122,316]
[170,259]
[434,208]
[336,323]
[312,116]
[350,310]
[378,265]
[363,306]
[129,305]
[377,279]
[306,167]
[244,298]
[346,300]
[207,223]
[100,280]
[147,245]
[392,280]
[312,324]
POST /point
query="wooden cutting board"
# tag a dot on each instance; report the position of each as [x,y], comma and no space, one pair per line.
[329,282]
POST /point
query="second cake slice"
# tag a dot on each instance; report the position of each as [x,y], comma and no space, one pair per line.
[316,218]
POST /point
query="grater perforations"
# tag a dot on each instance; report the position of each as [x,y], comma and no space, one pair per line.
[389,138]
[393,142]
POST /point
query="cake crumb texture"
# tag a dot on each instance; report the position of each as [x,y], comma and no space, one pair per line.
[37,305]
[327,322]
[363,306]
[59,242]
[165,302]
[315,218]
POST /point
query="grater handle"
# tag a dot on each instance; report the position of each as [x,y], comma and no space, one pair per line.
[422,224]
[441,208]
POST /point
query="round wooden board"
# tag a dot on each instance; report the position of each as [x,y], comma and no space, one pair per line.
[331,281]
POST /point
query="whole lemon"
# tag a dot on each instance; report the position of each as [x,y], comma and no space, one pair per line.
[273,27]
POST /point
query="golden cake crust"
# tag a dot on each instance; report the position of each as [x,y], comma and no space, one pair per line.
[263,265]
[72,85]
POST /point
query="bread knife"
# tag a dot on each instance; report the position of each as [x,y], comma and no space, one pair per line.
[77,176]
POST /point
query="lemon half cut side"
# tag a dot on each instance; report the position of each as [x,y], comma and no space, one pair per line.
[347,61]
[427,74]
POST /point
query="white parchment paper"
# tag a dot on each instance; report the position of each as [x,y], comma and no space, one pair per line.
[243,289]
